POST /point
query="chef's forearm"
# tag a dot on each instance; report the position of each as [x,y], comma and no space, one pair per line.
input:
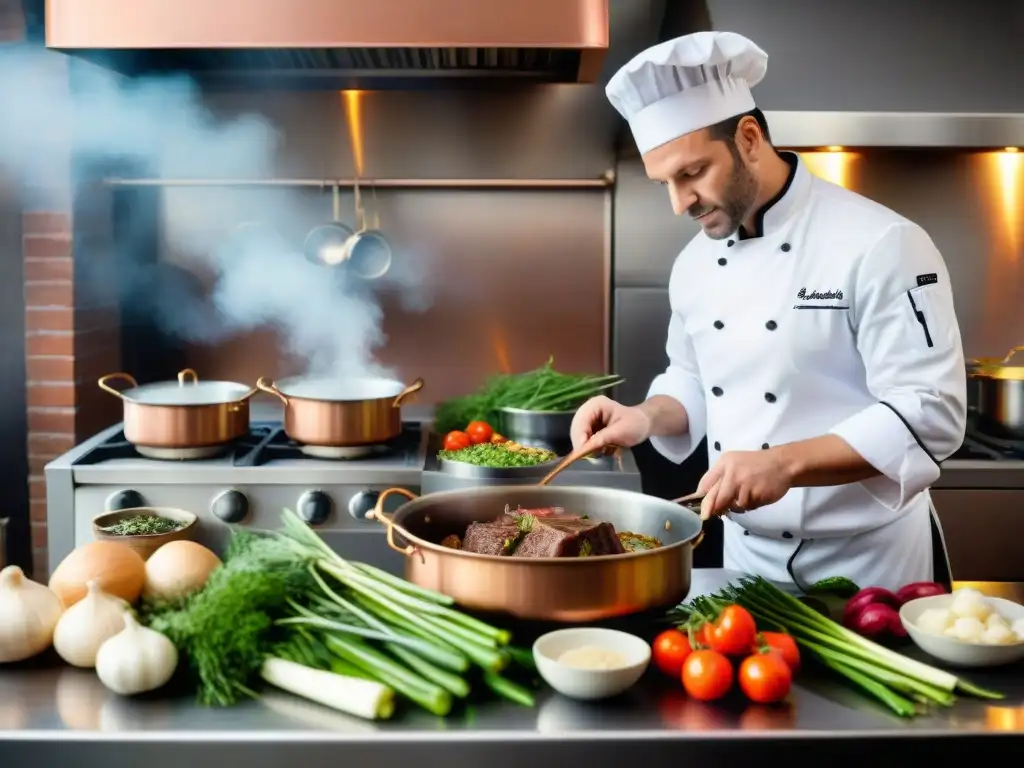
[667,415]
[823,461]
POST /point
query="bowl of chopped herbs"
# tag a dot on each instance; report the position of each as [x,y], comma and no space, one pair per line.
[497,460]
[145,529]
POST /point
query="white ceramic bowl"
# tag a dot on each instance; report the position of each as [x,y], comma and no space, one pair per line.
[957,652]
[590,684]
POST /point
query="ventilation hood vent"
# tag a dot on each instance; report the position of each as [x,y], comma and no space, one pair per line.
[338,43]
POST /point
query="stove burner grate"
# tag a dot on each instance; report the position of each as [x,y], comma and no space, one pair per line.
[265,442]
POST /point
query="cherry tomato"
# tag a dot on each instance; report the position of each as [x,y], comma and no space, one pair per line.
[670,650]
[707,675]
[765,678]
[479,432]
[456,441]
[733,632]
[784,645]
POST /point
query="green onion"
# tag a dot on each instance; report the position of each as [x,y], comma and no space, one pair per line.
[509,690]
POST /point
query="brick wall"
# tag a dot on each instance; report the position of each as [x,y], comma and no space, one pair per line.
[50,355]
[71,327]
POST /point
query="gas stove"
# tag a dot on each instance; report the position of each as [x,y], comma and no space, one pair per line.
[250,482]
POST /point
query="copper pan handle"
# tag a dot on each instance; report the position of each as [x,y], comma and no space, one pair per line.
[270,388]
[682,500]
[377,513]
[580,453]
[102,382]
[1011,354]
[187,375]
[412,389]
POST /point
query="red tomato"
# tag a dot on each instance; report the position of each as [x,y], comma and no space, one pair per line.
[707,675]
[479,432]
[784,645]
[765,678]
[733,632]
[456,441]
[670,650]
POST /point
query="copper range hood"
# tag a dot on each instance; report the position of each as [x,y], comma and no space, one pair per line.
[338,43]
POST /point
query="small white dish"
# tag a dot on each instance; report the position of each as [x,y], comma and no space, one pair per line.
[957,652]
[590,684]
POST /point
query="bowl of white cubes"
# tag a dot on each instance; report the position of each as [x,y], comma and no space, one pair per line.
[966,628]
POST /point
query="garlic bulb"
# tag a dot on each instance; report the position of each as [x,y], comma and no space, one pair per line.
[28,614]
[136,660]
[87,624]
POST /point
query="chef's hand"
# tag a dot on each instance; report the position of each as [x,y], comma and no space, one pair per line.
[601,422]
[741,481]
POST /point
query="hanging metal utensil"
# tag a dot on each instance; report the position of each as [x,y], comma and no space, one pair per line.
[367,252]
[326,244]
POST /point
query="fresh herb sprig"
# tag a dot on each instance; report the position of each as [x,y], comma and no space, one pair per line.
[542,389]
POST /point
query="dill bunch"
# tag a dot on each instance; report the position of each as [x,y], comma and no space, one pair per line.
[226,629]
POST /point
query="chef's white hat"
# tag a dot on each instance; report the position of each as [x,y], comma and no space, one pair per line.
[683,85]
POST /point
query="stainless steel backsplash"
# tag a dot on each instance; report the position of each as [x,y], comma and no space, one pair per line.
[510,276]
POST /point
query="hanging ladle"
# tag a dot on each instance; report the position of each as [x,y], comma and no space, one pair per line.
[367,251]
[326,244]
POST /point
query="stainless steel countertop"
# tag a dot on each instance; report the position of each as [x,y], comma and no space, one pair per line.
[59,713]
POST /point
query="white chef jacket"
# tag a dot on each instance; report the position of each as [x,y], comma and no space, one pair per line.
[835,318]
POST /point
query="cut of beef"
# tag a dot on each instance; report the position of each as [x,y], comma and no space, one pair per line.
[567,536]
[545,541]
[602,537]
[490,538]
[546,534]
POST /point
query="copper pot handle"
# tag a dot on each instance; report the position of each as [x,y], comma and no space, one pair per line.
[1010,355]
[377,513]
[270,388]
[187,375]
[682,500]
[102,382]
[412,389]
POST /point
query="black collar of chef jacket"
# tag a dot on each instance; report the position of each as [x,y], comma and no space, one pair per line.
[793,161]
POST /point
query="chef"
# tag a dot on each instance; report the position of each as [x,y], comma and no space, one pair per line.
[812,339]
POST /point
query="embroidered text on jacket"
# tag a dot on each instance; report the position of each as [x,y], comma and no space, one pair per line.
[823,296]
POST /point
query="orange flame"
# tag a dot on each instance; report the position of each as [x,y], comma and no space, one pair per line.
[352,103]
[499,344]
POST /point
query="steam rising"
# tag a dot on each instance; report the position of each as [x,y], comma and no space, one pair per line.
[160,127]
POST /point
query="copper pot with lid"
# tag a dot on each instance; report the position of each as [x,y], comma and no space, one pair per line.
[186,419]
[1000,394]
[339,413]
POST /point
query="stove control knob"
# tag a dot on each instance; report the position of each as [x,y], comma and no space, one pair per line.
[128,499]
[230,506]
[361,503]
[315,507]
